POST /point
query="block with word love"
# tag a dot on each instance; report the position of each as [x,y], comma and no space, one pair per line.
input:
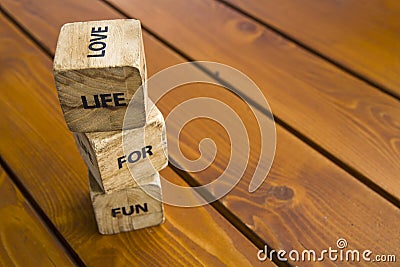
[99,67]
[113,169]
[127,209]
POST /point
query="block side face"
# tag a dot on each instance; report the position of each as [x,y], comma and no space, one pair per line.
[127,210]
[88,155]
[97,100]
[143,156]
[152,150]
[94,187]
[113,172]
[99,44]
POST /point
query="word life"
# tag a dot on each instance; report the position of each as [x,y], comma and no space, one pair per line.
[100,101]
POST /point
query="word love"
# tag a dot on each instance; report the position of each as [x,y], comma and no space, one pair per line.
[100,101]
[96,46]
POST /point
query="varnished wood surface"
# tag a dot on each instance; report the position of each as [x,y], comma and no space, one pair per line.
[352,121]
[24,239]
[201,236]
[360,35]
[307,202]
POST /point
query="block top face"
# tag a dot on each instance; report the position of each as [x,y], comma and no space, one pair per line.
[99,44]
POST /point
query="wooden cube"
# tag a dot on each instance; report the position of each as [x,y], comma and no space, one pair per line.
[98,68]
[127,209]
[105,158]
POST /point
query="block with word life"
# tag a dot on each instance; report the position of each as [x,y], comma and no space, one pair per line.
[99,67]
[127,209]
[104,155]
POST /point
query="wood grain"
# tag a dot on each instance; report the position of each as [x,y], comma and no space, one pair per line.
[304,190]
[23,233]
[145,152]
[128,209]
[57,178]
[360,35]
[353,122]
[306,202]
[99,67]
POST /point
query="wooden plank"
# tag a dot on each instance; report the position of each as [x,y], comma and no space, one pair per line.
[307,202]
[360,35]
[349,119]
[36,144]
[25,240]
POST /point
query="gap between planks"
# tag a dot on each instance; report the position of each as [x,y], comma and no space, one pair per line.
[46,221]
[309,49]
[220,208]
[223,211]
[358,175]
[50,56]
[340,163]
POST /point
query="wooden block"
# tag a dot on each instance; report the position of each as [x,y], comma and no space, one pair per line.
[128,209]
[98,68]
[105,158]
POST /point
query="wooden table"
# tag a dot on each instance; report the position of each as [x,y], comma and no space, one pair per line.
[329,70]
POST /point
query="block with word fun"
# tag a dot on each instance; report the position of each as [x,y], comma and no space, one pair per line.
[99,67]
[127,209]
[103,153]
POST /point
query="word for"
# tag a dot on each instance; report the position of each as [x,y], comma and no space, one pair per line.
[97,46]
[135,156]
[131,210]
[104,99]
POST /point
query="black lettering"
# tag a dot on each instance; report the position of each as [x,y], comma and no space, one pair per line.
[120,161]
[85,103]
[103,52]
[100,46]
[131,210]
[104,99]
[99,37]
[143,208]
[115,212]
[148,151]
[118,99]
[99,29]
[96,102]
[95,44]
[137,153]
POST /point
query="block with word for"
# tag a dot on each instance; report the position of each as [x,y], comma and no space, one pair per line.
[99,66]
[127,209]
[105,158]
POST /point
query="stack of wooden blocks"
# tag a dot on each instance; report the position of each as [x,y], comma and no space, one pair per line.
[99,67]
